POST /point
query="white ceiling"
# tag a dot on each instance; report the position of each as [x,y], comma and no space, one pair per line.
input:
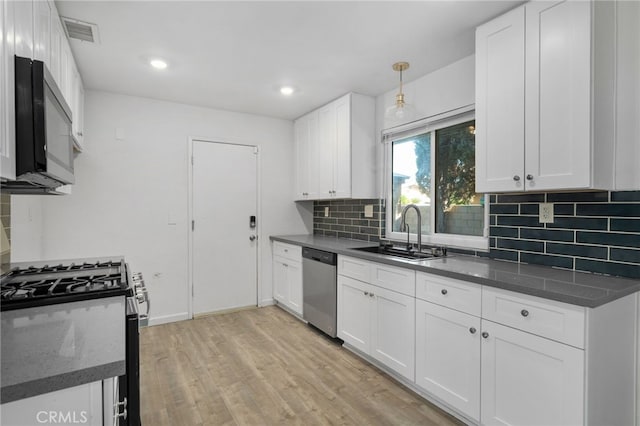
[234,55]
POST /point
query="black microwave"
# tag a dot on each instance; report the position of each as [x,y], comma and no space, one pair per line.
[44,143]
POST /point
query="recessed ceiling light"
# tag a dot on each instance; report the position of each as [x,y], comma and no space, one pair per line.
[158,64]
[287,90]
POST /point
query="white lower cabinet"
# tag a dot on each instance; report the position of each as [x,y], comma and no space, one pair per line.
[81,404]
[492,356]
[287,281]
[530,380]
[378,322]
[287,275]
[354,313]
[448,356]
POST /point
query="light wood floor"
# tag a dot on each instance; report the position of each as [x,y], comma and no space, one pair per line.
[264,367]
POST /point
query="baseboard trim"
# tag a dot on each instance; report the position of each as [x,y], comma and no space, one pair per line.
[164,319]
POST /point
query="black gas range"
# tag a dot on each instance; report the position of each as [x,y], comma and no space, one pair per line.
[77,286]
[44,283]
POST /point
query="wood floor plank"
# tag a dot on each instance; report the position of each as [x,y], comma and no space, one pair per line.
[265,367]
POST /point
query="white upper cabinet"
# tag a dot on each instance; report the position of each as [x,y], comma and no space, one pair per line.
[7,102]
[23,27]
[42,32]
[78,111]
[545,92]
[335,150]
[557,109]
[500,103]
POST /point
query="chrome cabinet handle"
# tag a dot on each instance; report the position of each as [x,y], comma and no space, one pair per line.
[524,313]
[485,334]
[516,178]
[366,293]
[252,238]
[472,330]
[529,177]
[444,291]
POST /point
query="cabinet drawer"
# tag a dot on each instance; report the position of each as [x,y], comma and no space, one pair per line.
[455,294]
[354,268]
[288,251]
[400,280]
[547,318]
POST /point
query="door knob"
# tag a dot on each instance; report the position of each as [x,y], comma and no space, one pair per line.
[252,237]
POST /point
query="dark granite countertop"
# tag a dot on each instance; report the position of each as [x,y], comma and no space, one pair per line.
[576,288]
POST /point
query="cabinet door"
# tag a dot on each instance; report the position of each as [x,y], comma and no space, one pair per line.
[42,31]
[393,330]
[312,163]
[23,21]
[77,108]
[354,313]
[79,115]
[326,151]
[65,69]
[55,48]
[294,284]
[76,405]
[342,152]
[529,380]
[448,356]
[301,185]
[280,280]
[558,95]
[500,103]
[7,98]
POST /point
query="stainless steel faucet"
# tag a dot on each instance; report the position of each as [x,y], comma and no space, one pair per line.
[404,226]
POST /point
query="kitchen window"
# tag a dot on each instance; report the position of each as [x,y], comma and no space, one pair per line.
[433,167]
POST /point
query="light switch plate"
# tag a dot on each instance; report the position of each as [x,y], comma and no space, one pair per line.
[368,210]
[546,213]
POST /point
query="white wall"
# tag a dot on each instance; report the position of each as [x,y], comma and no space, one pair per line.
[26,228]
[126,190]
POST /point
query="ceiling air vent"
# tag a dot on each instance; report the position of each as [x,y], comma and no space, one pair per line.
[79,30]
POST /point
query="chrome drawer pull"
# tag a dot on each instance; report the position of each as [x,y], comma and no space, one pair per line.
[524,313]
[444,291]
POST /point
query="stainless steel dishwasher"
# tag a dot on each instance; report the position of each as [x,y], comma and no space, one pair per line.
[319,289]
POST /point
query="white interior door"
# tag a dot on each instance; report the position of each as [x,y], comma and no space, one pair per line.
[224,242]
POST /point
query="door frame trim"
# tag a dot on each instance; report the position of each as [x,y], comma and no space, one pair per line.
[224,141]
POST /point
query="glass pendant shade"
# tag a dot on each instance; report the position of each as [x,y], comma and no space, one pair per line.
[401,112]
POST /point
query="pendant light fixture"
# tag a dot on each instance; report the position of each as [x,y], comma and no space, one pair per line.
[401,112]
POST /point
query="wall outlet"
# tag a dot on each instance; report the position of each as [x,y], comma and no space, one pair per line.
[368,210]
[326,212]
[546,213]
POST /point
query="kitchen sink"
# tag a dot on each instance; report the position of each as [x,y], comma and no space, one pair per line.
[403,252]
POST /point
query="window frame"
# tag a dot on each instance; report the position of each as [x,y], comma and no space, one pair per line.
[480,243]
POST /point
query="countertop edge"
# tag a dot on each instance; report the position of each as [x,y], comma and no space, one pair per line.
[61,381]
[572,300]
